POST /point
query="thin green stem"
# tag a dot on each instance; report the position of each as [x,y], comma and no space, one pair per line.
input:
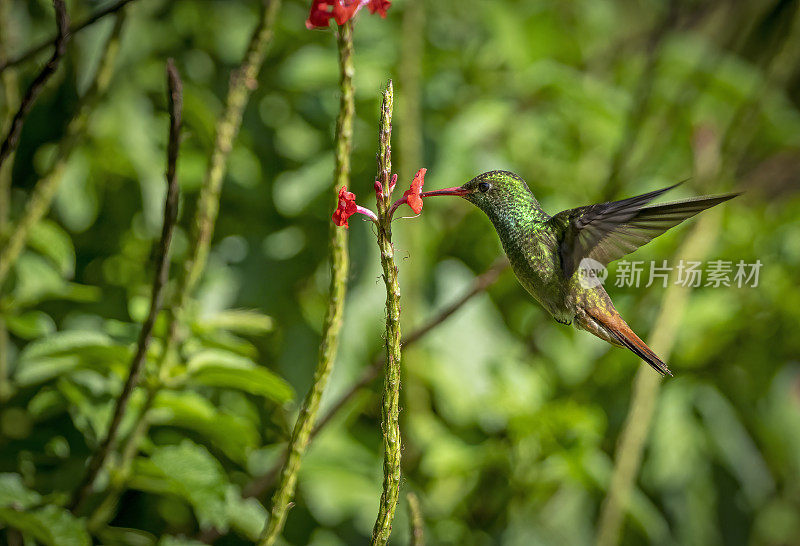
[415,520]
[45,190]
[333,316]
[11,99]
[634,434]
[391,394]
[243,82]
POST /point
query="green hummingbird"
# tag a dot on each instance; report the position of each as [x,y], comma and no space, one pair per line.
[549,253]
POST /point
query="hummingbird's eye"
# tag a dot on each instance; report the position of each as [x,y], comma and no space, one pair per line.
[484,187]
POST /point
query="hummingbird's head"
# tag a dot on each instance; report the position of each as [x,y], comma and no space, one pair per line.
[494,192]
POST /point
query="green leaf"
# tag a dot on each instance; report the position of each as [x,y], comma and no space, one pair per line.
[50,525]
[179,541]
[247,516]
[234,436]
[259,381]
[30,325]
[190,472]
[53,242]
[13,492]
[242,321]
[74,342]
[34,372]
[225,370]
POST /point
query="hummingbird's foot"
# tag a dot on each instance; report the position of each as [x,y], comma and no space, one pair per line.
[566,322]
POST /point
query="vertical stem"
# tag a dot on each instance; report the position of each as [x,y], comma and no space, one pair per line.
[243,82]
[333,316]
[415,521]
[645,391]
[391,394]
[11,98]
[160,279]
[637,423]
[45,189]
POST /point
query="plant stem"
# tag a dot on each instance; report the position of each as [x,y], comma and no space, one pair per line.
[45,190]
[259,485]
[11,98]
[333,316]
[243,82]
[637,423]
[36,87]
[77,27]
[160,279]
[645,391]
[415,520]
[391,394]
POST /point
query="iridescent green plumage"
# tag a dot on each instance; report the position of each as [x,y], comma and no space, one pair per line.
[545,251]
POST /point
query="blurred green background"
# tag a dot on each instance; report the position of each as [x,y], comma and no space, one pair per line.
[510,421]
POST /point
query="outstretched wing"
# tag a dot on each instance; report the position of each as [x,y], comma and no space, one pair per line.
[608,231]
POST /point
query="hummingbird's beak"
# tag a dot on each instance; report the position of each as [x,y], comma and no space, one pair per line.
[457,191]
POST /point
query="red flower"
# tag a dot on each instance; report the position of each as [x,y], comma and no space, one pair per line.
[347,207]
[412,195]
[318,18]
[341,11]
[380,6]
[344,10]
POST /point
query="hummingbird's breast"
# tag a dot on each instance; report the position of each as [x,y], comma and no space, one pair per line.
[532,250]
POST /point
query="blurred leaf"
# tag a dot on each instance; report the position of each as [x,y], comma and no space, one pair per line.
[14,493]
[247,516]
[51,525]
[82,343]
[222,369]
[52,241]
[190,472]
[241,321]
[30,324]
[233,435]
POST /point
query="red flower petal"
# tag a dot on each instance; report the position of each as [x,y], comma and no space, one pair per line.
[346,208]
[412,195]
[343,10]
[380,6]
[319,15]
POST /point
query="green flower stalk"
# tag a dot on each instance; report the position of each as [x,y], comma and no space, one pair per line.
[340,266]
[384,186]
[392,444]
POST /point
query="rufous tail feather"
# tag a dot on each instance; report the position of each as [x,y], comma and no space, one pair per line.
[611,327]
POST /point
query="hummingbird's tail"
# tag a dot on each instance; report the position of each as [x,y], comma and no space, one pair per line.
[609,326]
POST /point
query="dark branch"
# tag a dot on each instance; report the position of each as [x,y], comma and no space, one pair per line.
[32,52]
[60,42]
[175,99]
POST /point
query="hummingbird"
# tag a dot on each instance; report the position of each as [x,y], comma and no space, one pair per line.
[548,254]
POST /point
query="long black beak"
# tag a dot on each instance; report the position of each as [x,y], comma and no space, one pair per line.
[457,191]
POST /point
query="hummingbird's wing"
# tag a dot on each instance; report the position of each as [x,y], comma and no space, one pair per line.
[608,231]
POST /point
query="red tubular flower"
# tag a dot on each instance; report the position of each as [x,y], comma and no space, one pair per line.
[344,10]
[341,11]
[347,207]
[412,195]
[319,15]
[380,6]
